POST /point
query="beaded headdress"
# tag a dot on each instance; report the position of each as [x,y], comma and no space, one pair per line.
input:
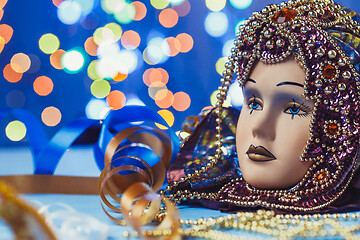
[324,39]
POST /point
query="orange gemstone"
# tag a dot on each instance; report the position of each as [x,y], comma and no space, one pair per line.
[329,71]
[320,176]
[333,129]
[285,15]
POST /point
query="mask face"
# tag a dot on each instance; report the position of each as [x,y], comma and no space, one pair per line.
[273,126]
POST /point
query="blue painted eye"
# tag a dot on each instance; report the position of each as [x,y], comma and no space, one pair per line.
[294,110]
[254,105]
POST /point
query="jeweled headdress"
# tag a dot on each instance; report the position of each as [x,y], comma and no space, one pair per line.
[324,39]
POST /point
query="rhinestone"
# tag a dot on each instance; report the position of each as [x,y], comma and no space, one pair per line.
[329,71]
[341,86]
[332,54]
[310,43]
[251,40]
[320,52]
[341,62]
[245,54]
[303,30]
[267,34]
[270,44]
[318,83]
[285,15]
[328,90]
[346,75]
[333,129]
[313,14]
[280,42]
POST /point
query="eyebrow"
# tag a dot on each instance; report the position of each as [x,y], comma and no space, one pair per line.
[250,80]
[290,83]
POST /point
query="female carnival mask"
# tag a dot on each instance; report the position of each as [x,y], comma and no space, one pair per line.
[321,36]
[323,39]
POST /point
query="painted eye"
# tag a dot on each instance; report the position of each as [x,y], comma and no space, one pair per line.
[254,105]
[294,110]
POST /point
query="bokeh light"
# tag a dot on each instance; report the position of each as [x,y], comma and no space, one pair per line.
[216,24]
[35,63]
[15,130]
[86,6]
[20,62]
[10,75]
[73,61]
[181,102]
[220,65]
[115,29]
[55,59]
[152,75]
[130,40]
[116,100]
[111,6]
[164,98]
[236,95]
[57,2]
[15,99]
[186,42]
[159,4]
[176,2]
[168,117]
[69,12]
[90,46]
[126,14]
[6,32]
[90,22]
[168,18]
[155,87]
[171,46]
[120,77]
[43,85]
[226,51]
[215,5]
[100,88]
[183,9]
[91,70]
[240,4]
[1,13]
[156,52]
[49,43]
[51,116]
[140,10]
[96,109]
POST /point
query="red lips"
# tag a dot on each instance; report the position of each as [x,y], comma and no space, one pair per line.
[259,154]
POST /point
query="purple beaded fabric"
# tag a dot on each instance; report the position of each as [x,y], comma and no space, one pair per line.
[323,38]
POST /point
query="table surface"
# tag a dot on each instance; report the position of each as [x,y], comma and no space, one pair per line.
[79,161]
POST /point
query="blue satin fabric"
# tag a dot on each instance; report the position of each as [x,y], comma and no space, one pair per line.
[47,154]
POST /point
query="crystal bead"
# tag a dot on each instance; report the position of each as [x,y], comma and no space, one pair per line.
[333,129]
[329,71]
[285,15]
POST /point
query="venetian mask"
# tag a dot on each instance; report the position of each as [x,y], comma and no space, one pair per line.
[322,37]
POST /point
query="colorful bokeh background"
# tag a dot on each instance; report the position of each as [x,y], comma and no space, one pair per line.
[65,59]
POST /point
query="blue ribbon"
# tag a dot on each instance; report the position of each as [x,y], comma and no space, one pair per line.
[47,154]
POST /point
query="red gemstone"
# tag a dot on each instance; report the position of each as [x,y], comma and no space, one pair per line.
[285,15]
[329,71]
[333,129]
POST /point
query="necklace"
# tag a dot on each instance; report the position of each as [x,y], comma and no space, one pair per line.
[280,226]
